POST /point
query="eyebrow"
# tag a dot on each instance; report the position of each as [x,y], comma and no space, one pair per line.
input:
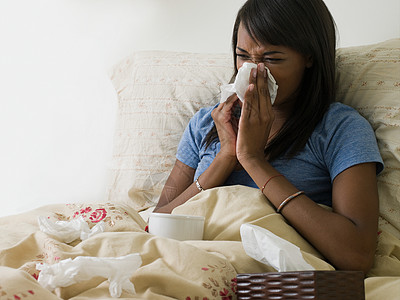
[265,53]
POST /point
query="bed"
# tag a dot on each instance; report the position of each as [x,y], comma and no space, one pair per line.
[158,93]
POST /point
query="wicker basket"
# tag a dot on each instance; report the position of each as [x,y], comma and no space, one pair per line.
[343,285]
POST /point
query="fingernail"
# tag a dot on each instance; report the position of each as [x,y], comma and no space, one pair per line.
[251,87]
[255,73]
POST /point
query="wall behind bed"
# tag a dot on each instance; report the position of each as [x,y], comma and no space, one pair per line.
[57,105]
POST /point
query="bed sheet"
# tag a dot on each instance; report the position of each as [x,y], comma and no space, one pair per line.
[171,269]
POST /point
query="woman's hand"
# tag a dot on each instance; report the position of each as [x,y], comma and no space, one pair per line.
[227,125]
[256,119]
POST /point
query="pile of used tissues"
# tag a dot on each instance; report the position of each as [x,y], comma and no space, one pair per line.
[117,270]
[69,231]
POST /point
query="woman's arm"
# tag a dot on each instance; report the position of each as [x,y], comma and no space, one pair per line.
[180,186]
[346,236]
[180,178]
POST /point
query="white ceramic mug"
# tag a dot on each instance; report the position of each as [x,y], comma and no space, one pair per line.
[179,227]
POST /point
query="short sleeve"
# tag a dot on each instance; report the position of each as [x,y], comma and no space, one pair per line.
[192,140]
[350,141]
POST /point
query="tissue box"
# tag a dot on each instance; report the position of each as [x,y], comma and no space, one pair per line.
[302,285]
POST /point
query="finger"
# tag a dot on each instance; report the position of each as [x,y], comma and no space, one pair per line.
[232,98]
[224,110]
[224,104]
[253,76]
[229,103]
[255,104]
[248,101]
[262,87]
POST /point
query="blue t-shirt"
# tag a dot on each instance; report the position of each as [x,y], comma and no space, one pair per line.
[342,139]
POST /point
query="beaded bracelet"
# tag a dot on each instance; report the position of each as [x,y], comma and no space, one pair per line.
[284,202]
[199,187]
[269,179]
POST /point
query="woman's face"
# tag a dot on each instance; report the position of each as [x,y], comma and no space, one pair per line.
[286,65]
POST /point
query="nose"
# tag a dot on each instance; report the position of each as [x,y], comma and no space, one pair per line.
[257,60]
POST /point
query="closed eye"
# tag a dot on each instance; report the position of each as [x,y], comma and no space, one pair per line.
[243,57]
[264,59]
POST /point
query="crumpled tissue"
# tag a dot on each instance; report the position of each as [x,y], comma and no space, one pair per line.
[268,248]
[242,82]
[69,231]
[117,270]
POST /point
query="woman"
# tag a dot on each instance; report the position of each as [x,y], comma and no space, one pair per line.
[304,150]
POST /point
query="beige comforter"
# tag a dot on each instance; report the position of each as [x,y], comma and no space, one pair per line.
[170,269]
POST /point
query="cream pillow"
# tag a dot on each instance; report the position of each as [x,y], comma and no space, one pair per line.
[158,93]
[369,81]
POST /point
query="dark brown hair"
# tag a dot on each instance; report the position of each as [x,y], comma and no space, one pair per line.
[307,27]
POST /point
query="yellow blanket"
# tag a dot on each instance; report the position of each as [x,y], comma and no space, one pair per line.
[171,269]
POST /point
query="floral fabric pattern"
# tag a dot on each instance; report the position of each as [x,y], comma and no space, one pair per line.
[219,283]
[18,296]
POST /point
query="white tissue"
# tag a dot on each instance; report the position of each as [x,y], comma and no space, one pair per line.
[242,82]
[117,270]
[268,248]
[68,231]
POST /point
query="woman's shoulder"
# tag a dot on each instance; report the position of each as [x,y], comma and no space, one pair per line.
[203,116]
[339,113]
[337,109]
[346,138]
[342,123]
[205,111]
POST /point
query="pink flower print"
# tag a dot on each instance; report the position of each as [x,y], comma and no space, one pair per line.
[98,215]
[225,294]
[234,285]
[86,210]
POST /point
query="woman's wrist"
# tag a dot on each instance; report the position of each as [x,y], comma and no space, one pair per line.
[227,160]
[249,162]
[227,156]
[218,171]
